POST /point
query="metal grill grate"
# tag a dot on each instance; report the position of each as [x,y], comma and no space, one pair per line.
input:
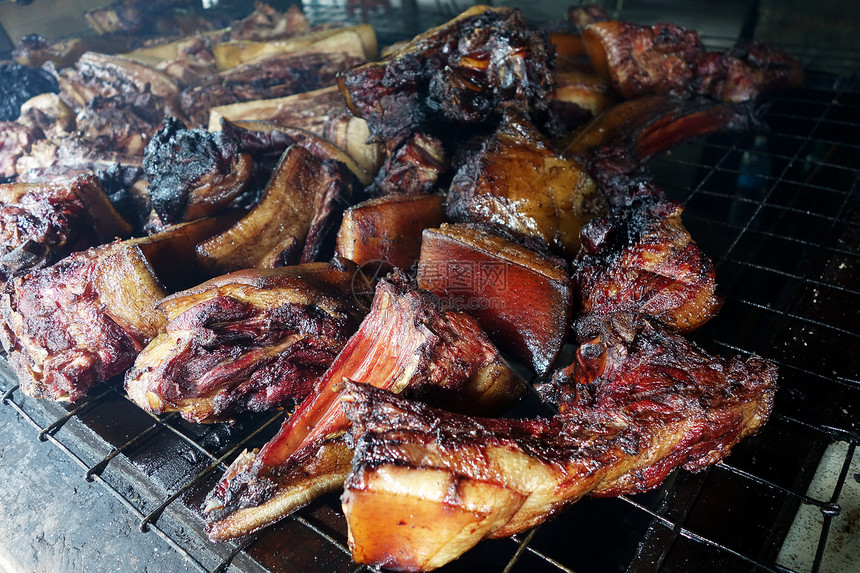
[780,214]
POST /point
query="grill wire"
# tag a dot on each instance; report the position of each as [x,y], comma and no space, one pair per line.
[779,212]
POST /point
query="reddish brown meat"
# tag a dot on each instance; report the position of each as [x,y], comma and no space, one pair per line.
[40,223]
[412,169]
[405,344]
[426,485]
[248,341]
[669,59]
[641,259]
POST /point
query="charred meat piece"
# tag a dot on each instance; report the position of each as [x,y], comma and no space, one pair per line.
[272,77]
[49,113]
[83,320]
[18,84]
[747,72]
[641,259]
[427,485]
[266,23]
[115,76]
[464,71]
[388,229]
[116,125]
[193,173]
[307,110]
[248,341]
[351,134]
[579,95]
[669,59]
[642,60]
[350,41]
[413,168]
[406,344]
[521,298]
[16,141]
[147,18]
[518,181]
[34,50]
[585,15]
[300,208]
[40,223]
[260,138]
[615,144]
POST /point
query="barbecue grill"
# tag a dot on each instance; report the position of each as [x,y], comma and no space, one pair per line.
[779,213]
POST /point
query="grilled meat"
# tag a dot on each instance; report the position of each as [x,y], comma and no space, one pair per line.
[523,299]
[641,259]
[414,167]
[406,344]
[192,172]
[248,341]
[34,50]
[615,145]
[272,77]
[427,485]
[464,71]
[747,72]
[583,16]
[307,110]
[388,229]
[518,181]
[115,76]
[18,84]
[16,141]
[42,223]
[292,222]
[669,59]
[266,23]
[84,319]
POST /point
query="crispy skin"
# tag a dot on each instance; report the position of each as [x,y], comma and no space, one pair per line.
[247,341]
[641,259]
[464,71]
[669,59]
[617,143]
[388,229]
[405,344]
[427,485]
[40,223]
[518,181]
[522,299]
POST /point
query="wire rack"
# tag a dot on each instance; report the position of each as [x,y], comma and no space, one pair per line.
[779,212]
